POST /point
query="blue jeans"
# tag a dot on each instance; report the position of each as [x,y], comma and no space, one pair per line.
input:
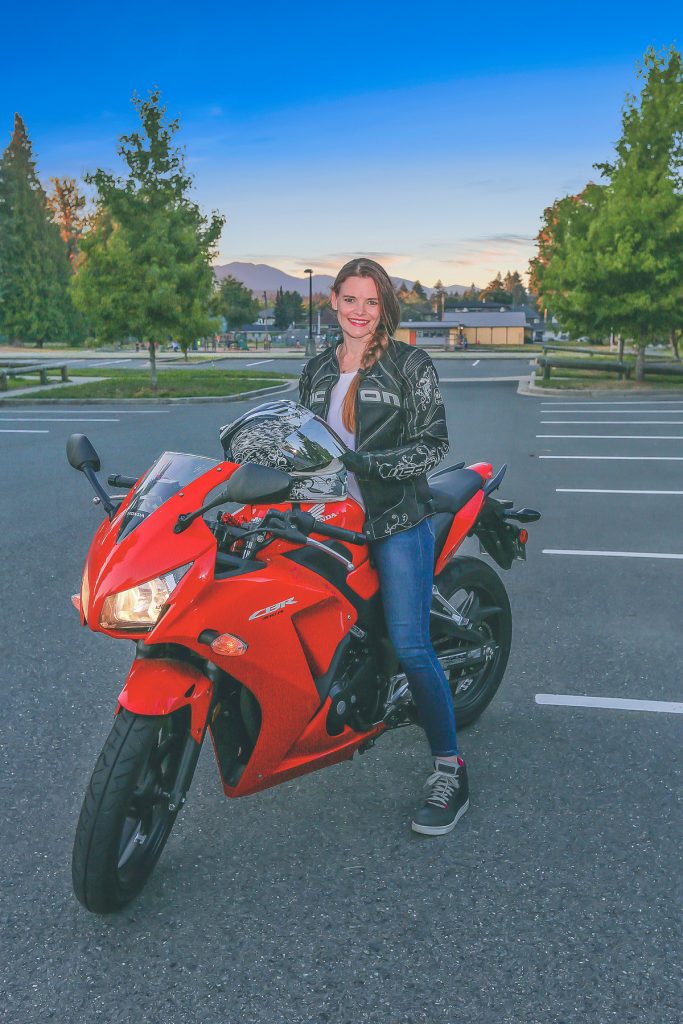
[405,564]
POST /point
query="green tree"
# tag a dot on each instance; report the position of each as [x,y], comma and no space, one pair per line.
[419,291]
[35,304]
[611,258]
[235,303]
[145,269]
[289,309]
[495,292]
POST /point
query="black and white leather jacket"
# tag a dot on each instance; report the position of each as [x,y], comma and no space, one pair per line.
[401,431]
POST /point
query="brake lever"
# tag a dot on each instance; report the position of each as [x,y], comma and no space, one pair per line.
[349,566]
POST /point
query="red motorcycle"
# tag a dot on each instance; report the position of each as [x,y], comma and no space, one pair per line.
[263,624]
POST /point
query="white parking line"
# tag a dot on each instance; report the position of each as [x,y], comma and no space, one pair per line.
[476,363]
[261,362]
[47,419]
[24,431]
[628,458]
[612,554]
[600,490]
[622,437]
[603,401]
[670,707]
[98,412]
[108,362]
[612,423]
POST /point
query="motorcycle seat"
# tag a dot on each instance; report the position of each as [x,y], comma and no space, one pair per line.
[449,492]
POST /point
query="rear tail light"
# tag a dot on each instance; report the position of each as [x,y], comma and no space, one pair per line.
[76,601]
[524,536]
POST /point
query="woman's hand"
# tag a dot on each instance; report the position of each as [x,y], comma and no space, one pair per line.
[352,461]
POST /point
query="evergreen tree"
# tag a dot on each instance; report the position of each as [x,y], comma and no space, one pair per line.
[145,270]
[35,304]
[289,308]
[419,291]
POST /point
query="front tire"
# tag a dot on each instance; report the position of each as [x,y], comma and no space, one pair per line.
[125,819]
[471,586]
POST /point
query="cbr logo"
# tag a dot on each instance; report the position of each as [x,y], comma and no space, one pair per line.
[271,609]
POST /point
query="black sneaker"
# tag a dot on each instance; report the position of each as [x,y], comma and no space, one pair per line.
[448,799]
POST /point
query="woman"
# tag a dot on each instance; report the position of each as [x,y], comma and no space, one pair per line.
[382,397]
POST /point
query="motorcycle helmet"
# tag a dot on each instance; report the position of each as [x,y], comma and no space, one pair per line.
[292,438]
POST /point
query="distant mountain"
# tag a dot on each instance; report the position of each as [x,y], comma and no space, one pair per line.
[260,277]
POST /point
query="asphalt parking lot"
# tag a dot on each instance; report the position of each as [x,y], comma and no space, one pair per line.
[557,898]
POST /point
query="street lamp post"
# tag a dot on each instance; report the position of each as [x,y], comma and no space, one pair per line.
[310,344]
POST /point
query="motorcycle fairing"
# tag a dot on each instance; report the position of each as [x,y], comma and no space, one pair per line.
[160,686]
[464,519]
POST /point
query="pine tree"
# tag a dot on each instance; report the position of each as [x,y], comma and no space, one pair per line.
[35,304]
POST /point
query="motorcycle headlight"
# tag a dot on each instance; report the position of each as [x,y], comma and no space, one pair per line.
[141,606]
[85,594]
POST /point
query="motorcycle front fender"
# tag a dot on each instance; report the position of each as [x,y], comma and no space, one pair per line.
[160,686]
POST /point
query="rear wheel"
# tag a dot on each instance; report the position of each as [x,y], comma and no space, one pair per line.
[476,591]
[126,816]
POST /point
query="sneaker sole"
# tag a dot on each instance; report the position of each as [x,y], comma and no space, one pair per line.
[440,830]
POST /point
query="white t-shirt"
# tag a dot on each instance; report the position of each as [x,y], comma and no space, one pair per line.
[334,418]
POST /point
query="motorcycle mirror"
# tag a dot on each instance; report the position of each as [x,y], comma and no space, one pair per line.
[249,483]
[252,483]
[81,454]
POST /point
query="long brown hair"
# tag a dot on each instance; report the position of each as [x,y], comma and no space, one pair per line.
[390,315]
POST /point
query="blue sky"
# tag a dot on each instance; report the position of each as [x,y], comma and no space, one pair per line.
[430,137]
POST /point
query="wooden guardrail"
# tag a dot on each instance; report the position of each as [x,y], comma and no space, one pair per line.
[23,369]
[610,366]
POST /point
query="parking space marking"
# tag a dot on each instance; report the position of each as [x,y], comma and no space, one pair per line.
[621,437]
[601,490]
[101,412]
[613,423]
[670,707]
[612,554]
[2,431]
[261,362]
[47,419]
[476,363]
[628,458]
[594,405]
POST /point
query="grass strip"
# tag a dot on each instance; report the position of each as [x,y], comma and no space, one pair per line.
[171,384]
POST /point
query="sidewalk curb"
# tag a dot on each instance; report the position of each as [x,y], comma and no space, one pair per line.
[199,399]
[527,386]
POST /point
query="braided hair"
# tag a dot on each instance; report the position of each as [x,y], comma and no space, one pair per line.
[390,315]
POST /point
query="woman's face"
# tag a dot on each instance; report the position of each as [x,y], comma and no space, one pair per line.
[357,307]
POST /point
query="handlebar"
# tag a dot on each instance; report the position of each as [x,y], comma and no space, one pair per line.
[309,524]
[115,480]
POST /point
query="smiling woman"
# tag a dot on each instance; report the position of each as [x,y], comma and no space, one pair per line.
[382,397]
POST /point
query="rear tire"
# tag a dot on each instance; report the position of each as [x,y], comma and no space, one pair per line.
[468,583]
[125,819]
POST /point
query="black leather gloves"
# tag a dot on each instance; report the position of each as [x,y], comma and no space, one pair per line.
[352,461]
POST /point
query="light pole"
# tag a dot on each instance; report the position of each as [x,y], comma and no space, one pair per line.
[310,344]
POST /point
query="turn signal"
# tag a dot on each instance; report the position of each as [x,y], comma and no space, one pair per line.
[76,601]
[524,536]
[228,645]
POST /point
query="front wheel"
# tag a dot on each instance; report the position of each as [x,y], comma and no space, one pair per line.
[476,591]
[126,816]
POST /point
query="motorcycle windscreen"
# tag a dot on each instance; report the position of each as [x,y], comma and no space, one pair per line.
[167,475]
